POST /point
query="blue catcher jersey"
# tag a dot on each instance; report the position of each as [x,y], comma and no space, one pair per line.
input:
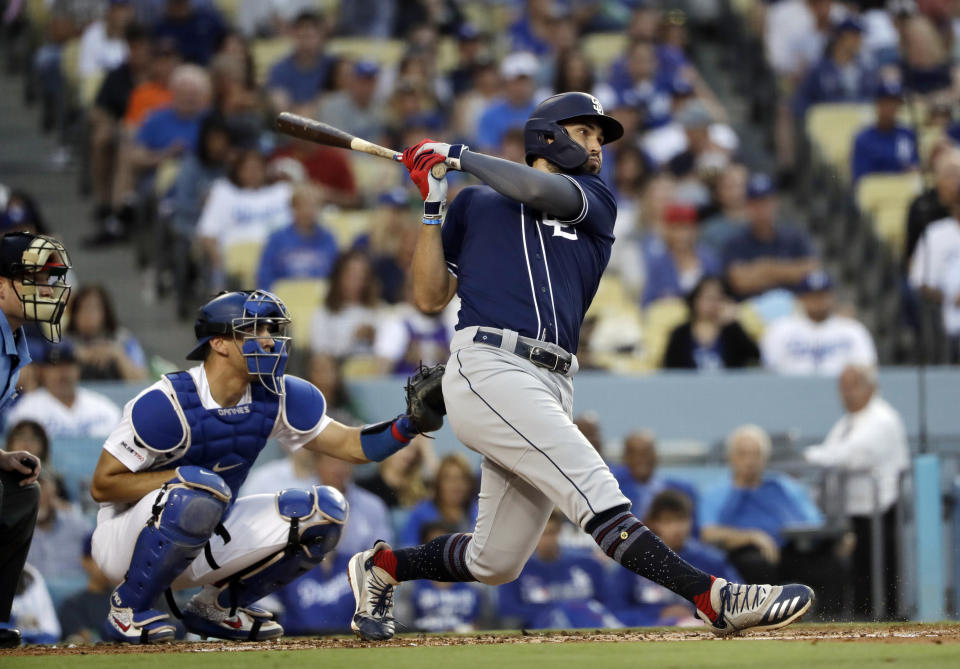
[176,422]
[522,270]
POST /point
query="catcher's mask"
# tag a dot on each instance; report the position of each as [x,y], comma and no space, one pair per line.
[253,318]
[39,264]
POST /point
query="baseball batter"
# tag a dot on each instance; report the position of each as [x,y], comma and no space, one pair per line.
[169,472]
[525,253]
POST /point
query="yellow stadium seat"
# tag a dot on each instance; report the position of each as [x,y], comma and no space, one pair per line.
[375,175]
[89,86]
[70,62]
[166,175]
[38,11]
[302,297]
[659,320]
[241,260]
[886,198]
[603,48]
[832,128]
[742,7]
[347,225]
[751,320]
[229,10]
[362,366]
[266,52]
[383,51]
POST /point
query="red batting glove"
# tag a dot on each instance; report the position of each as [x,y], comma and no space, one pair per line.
[420,173]
[411,153]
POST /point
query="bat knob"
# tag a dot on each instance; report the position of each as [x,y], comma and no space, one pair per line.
[439,171]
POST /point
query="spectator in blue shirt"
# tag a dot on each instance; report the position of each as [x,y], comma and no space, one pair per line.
[638,477]
[299,78]
[513,109]
[453,502]
[556,590]
[675,260]
[302,250]
[437,606]
[169,132]
[766,254]
[644,87]
[644,603]
[319,602]
[197,31]
[751,516]
[887,147]
[841,75]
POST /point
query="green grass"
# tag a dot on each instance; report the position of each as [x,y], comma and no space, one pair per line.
[741,654]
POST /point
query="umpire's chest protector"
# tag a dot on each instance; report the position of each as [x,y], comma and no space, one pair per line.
[226,441]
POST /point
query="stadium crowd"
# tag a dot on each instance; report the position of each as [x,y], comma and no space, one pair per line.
[172,101]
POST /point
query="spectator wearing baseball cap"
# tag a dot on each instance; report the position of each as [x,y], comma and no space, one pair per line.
[766,254]
[512,110]
[355,109]
[59,404]
[886,147]
[817,340]
[841,75]
[675,259]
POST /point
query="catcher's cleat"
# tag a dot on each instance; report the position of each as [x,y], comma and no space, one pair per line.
[373,589]
[129,626]
[248,623]
[759,607]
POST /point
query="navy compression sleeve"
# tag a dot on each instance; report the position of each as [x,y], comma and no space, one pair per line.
[550,193]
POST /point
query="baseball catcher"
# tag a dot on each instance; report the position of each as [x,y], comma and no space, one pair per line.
[168,475]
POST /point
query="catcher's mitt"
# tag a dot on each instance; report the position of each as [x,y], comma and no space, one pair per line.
[425,406]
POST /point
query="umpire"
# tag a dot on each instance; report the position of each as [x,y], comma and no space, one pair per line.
[33,288]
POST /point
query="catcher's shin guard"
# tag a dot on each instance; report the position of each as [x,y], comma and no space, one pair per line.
[316,516]
[181,524]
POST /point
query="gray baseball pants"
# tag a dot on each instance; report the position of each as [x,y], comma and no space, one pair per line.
[519,417]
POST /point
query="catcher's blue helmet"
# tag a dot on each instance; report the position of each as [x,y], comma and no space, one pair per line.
[544,124]
[244,314]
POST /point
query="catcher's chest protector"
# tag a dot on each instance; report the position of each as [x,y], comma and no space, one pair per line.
[226,441]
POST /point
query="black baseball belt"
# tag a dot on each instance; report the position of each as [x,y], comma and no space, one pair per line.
[542,354]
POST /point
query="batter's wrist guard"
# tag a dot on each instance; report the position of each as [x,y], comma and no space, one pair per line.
[453,155]
[381,440]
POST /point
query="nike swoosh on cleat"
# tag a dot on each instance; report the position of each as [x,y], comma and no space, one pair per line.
[217,468]
[235,624]
[120,624]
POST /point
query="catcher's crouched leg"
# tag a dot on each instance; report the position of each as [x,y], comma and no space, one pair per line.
[225,609]
[185,514]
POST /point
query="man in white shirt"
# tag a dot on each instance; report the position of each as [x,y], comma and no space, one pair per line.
[59,405]
[816,341]
[869,442]
[935,272]
[102,46]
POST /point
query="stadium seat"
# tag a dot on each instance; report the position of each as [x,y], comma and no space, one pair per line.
[347,225]
[886,198]
[165,177]
[241,260]
[375,175]
[266,52]
[229,10]
[659,320]
[362,366]
[832,128]
[619,328]
[38,11]
[302,297]
[603,48]
[383,51]
[69,64]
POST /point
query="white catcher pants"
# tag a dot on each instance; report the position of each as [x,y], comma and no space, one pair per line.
[519,417]
[255,527]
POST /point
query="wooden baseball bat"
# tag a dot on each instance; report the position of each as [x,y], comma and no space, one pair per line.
[322,133]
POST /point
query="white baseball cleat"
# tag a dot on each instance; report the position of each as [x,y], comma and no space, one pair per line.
[248,623]
[760,607]
[129,626]
[373,589]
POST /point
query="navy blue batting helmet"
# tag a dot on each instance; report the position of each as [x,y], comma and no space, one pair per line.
[545,124]
[245,314]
